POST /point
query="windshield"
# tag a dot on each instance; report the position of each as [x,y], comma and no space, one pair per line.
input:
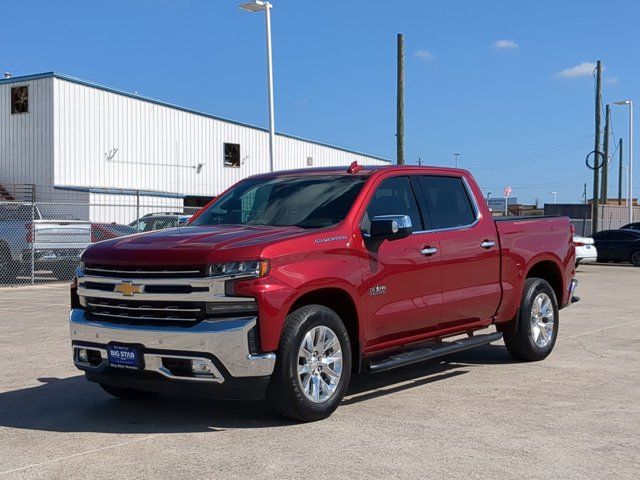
[307,201]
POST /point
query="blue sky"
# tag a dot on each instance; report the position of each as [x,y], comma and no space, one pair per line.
[482,78]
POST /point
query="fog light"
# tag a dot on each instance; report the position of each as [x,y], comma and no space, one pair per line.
[201,367]
[83,355]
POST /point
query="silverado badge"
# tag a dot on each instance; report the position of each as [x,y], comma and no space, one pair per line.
[378,290]
[128,289]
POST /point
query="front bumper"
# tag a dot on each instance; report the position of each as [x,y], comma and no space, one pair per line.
[217,351]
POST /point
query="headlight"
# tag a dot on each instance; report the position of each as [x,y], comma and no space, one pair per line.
[80,268]
[253,268]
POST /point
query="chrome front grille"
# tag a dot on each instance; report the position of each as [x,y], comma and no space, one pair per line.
[158,297]
[127,271]
[145,311]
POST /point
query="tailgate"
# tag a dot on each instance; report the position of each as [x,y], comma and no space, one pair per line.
[48,234]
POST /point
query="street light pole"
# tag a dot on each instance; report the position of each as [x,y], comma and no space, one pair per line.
[555,197]
[257,6]
[456,155]
[630,178]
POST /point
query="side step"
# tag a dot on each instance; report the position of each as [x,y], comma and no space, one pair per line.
[422,354]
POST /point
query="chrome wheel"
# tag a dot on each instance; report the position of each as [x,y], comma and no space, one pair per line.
[319,364]
[542,320]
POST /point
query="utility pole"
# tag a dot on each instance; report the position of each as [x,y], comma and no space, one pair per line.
[596,173]
[584,193]
[400,102]
[419,161]
[620,173]
[605,147]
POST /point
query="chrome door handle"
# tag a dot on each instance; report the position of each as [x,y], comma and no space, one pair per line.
[427,251]
[488,244]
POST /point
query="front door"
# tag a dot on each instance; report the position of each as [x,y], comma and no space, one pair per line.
[403,277]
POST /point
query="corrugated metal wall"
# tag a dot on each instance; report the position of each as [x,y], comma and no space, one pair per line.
[26,139]
[107,139]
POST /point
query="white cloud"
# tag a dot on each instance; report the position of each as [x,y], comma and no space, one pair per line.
[505,44]
[611,80]
[424,55]
[584,69]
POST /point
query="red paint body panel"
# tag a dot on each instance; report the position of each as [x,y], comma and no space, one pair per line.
[463,287]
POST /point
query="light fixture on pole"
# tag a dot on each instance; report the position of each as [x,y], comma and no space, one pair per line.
[555,197]
[258,6]
[629,103]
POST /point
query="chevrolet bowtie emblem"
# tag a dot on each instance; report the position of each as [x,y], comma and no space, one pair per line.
[128,289]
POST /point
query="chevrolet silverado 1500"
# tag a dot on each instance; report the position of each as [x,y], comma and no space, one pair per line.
[289,282]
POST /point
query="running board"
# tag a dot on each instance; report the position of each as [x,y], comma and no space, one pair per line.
[422,354]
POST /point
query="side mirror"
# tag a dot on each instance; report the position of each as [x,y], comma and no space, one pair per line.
[390,227]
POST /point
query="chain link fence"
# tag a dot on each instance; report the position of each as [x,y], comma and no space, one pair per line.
[41,242]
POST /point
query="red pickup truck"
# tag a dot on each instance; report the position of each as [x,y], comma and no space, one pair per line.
[289,282]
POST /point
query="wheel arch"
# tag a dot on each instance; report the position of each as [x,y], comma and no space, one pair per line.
[341,302]
[551,272]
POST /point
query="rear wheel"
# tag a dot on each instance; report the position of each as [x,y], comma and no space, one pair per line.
[635,258]
[126,392]
[7,268]
[64,271]
[313,365]
[537,323]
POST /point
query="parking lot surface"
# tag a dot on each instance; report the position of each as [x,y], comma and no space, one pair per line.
[476,414]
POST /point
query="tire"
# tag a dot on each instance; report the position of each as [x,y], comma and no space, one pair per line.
[64,271]
[635,258]
[8,268]
[298,392]
[535,335]
[127,393]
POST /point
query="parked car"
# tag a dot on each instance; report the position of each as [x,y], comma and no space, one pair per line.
[585,250]
[618,246]
[106,231]
[26,238]
[291,281]
[159,221]
[631,226]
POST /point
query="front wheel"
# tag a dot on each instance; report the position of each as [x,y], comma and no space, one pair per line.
[537,323]
[313,365]
[635,258]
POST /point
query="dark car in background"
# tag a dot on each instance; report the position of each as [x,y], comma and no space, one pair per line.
[631,226]
[618,246]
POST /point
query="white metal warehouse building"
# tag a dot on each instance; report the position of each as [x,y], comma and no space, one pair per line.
[63,134]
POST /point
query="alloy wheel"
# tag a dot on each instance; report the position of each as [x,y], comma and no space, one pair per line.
[542,320]
[319,364]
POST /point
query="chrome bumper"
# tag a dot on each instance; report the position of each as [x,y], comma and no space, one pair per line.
[225,340]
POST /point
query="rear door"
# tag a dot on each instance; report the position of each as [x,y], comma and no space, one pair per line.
[402,283]
[618,245]
[469,248]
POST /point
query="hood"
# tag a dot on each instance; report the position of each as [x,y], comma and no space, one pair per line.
[192,245]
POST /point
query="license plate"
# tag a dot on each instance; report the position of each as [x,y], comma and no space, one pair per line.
[123,356]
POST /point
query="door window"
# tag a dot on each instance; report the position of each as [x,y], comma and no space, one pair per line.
[447,201]
[394,196]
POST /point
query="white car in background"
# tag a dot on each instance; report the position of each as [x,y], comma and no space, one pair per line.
[585,250]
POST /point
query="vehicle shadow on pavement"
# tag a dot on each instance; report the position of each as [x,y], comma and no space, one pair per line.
[368,386]
[75,405]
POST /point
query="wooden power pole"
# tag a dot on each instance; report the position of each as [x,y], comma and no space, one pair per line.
[597,158]
[605,164]
[400,102]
